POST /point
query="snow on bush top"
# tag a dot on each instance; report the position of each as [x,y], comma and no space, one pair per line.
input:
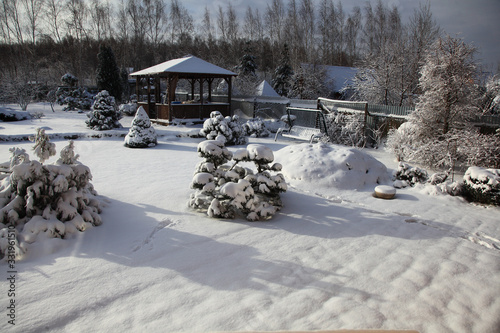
[482,178]
[328,166]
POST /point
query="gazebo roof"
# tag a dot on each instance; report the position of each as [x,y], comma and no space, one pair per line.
[186,65]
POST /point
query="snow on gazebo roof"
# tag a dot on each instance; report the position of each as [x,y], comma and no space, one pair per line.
[265,89]
[189,64]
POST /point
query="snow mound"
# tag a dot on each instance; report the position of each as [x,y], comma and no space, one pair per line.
[327,166]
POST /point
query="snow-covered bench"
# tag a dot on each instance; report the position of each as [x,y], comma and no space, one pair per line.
[303,124]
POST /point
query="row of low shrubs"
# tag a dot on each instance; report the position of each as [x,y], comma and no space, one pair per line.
[479,184]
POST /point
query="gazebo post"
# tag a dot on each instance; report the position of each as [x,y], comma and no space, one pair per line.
[229,94]
[201,98]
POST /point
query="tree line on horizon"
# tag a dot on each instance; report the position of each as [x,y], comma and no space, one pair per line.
[41,40]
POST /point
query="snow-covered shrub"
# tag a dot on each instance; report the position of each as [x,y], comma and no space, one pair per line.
[104,115]
[69,79]
[7,114]
[74,98]
[326,167]
[409,176]
[141,133]
[45,201]
[482,185]
[228,129]
[345,128]
[128,109]
[225,191]
[43,148]
[256,128]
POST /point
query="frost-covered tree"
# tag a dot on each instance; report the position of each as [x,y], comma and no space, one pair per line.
[108,74]
[448,84]
[141,133]
[43,148]
[104,115]
[283,74]
[345,128]
[442,118]
[227,129]
[45,201]
[226,191]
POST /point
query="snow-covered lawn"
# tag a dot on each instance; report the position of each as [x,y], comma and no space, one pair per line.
[335,257]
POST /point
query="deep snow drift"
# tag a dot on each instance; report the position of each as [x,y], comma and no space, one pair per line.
[334,257]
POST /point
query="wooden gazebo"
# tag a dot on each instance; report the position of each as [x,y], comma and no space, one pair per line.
[198,73]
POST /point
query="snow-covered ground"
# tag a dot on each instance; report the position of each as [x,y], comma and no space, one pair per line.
[335,257]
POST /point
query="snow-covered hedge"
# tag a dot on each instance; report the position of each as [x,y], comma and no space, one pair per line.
[141,133]
[104,115]
[256,127]
[7,114]
[227,191]
[482,185]
[44,201]
[406,175]
[227,129]
[128,109]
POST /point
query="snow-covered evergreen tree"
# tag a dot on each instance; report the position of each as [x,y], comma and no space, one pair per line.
[104,115]
[45,201]
[227,129]
[43,147]
[247,79]
[282,82]
[225,191]
[108,74]
[141,133]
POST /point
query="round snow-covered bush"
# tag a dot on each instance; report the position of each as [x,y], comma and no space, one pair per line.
[226,191]
[141,133]
[226,129]
[129,109]
[45,201]
[104,115]
[256,128]
[482,185]
[330,166]
[409,175]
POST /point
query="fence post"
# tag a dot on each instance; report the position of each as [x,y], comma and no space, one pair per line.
[364,124]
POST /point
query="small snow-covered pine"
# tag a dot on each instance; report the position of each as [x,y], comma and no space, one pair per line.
[141,133]
[227,129]
[103,115]
[43,147]
[45,201]
[226,191]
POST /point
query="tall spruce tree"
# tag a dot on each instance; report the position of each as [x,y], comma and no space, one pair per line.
[108,73]
[283,74]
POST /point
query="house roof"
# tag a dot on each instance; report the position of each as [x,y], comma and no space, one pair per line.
[188,65]
[265,89]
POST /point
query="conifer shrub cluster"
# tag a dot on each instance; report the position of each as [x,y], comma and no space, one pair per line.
[39,201]
[229,190]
